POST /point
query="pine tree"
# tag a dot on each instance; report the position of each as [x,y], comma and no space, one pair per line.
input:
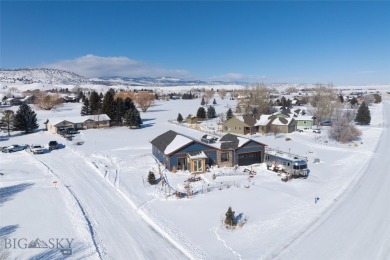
[85,109]
[229,114]
[133,119]
[254,111]
[128,105]
[109,105]
[179,118]
[353,101]
[229,220]
[210,112]
[120,111]
[201,113]
[363,115]
[214,102]
[25,119]
[151,178]
[283,102]
[341,98]
[202,103]
[94,103]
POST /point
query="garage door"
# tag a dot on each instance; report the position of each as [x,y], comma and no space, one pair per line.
[249,158]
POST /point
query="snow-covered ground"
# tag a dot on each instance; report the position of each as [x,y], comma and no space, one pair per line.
[113,213]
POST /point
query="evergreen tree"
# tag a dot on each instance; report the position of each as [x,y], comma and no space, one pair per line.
[25,119]
[133,119]
[229,114]
[128,105]
[283,102]
[341,98]
[94,103]
[353,101]
[211,112]
[85,109]
[151,178]
[214,102]
[179,118]
[120,111]
[80,96]
[254,111]
[109,105]
[202,103]
[229,219]
[201,113]
[363,115]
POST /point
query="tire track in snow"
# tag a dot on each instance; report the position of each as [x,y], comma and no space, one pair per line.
[91,231]
[85,215]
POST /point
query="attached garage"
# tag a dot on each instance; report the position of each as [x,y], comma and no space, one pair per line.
[249,158]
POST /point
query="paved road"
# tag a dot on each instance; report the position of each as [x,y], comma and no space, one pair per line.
[358,227]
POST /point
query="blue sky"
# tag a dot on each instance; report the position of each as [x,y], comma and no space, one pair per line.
[341,42]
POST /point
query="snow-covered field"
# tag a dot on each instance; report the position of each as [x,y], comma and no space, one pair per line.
[103,201]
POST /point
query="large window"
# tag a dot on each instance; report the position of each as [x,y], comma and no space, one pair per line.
[224,157]
[198,166]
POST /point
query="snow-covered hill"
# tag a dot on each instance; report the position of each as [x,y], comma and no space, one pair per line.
[41,75]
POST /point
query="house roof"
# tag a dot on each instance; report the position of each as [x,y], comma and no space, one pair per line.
[78,119]
[170,141]
[282,121]
[197,155]
[263,120]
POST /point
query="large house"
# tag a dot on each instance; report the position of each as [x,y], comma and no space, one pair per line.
[55,125]
[180,152]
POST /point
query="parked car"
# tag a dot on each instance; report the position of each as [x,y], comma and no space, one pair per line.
[326,123]
[317,131]
[53,145]
[71,131]
[303,130]
[13,148]
[37,149]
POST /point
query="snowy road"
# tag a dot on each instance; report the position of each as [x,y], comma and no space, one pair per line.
[117,231]
[358,226]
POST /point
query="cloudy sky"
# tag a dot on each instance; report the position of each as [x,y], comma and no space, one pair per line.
[344,42]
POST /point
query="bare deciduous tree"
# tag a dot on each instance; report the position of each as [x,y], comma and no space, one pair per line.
[144,100]
[324,102]
[275,130]
[369,99]
[47,101]
[208,94]
[222,93]
[8,119]
[344,131]
[291,90]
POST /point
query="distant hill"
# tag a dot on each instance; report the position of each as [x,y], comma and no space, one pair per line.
[44,76]
[61,77]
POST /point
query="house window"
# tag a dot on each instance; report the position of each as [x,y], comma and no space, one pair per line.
[224,157]
[198,166]
[267,158]
[225,128]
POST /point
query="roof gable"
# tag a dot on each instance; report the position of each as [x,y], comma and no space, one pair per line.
[170,141]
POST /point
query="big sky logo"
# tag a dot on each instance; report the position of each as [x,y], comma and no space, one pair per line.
[62,244]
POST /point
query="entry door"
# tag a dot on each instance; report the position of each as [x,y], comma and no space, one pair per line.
[181,163]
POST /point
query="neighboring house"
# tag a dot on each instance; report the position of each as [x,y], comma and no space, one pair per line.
[236,125]
[180,152]
[284,124]
[191,119]
[263,123]
[55,125]
[304,121]
[13,101]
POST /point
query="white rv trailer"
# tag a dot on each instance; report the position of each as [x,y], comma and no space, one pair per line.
[282,161]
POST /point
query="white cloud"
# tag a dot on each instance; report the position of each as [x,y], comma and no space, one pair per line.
[95,66]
